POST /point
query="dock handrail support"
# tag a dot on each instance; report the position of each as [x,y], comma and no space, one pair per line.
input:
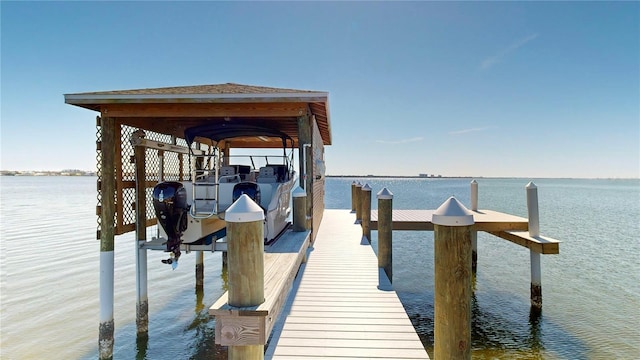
[365,198]
[385,233]
[245,249]
[534,231]
[452,304]
[474,233]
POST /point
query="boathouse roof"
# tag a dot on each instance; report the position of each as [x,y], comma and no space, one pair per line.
[170,110]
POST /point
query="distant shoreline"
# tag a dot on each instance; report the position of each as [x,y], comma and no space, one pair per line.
[71,172]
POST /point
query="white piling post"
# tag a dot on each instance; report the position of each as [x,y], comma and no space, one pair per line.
[474,233]
[142,301]
[534,231]
[199,268]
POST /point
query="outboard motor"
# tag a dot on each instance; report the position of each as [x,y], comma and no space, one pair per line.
[170,204]
[250,188]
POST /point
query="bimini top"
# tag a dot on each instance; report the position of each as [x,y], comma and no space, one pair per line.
[224,131]
[172,110]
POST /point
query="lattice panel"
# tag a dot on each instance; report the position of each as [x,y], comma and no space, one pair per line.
[98,173]
[176,168]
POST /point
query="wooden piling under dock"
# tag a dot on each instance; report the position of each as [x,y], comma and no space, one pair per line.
[336,308]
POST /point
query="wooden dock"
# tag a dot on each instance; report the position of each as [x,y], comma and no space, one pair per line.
[341,305]
[508,227]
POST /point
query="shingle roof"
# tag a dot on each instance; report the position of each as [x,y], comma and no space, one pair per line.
[228,88]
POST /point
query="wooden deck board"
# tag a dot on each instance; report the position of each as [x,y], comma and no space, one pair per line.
[336,309]
[485,220]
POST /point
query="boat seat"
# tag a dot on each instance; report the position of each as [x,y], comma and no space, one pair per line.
[280,171]
[267,175]
[228,174]
[244,171]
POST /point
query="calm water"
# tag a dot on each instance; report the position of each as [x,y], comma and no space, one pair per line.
[591,290]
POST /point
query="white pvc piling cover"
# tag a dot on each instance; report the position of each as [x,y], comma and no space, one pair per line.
[299,192]
[385,194]
[452,213]
[244,210]
[106,286]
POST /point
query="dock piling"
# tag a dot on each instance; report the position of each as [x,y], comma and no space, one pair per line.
[199,268]
[107,234]
[534,231]
[452,309]
[245,249]
[474,233]
[385,233]
[299,209]
[358,202]
[353,196]
[142,301]
[365,197]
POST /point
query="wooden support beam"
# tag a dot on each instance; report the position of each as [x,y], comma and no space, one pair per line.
[539,244]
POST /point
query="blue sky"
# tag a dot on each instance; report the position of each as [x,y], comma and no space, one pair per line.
[522,89]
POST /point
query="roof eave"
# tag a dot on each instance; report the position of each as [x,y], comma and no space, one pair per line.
[94,99]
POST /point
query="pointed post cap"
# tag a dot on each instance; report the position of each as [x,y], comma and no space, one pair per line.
[474,182]
[366,187]
[299,192]
[244,210]
[452,213]
[531,185]
[358,184]
[384,194]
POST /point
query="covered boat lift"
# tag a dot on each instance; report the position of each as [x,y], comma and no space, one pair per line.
[157,118]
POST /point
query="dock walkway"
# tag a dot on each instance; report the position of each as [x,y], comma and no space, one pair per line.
[336,308]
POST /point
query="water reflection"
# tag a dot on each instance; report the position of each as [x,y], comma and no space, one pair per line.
[142,344]
[203,329]
[535,321]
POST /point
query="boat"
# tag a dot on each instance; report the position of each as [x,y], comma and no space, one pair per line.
[192,212]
